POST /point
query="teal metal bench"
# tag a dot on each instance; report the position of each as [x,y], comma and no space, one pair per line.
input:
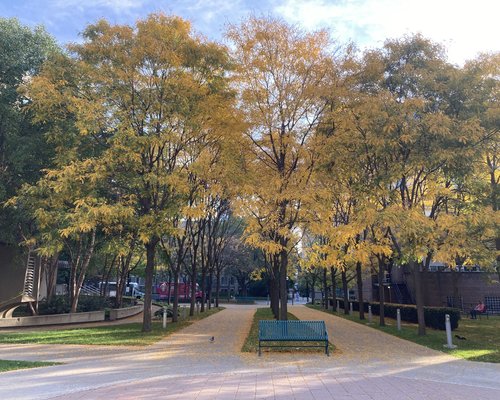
[293,331]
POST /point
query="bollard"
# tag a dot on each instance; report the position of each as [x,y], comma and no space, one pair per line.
[369,314]
[338,306]
[398,311]
[449,343]
[164,318]
[350,308]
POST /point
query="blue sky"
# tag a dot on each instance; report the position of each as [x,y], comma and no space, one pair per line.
[465,27]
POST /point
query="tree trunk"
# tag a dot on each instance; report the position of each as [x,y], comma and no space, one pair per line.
[415,267]
[209,289]
[149,272]
[325,288]
[274,289]
[333,273]
[75,262]
[217,287]
[346,292]
[192,295]
[50,271]
[89,251]
[381,295]
[283,285]
[495,192]
[120,282]
[175,303]
[123,273]
[313,285]
[243,283]
[203,288]
[169,290]
[359,279]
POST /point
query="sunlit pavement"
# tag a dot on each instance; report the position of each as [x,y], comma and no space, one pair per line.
[366,364]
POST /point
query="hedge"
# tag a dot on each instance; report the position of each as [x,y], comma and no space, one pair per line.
[60,305]
[434,316]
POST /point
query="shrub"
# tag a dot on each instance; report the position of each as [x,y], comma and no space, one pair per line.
[91,303]
[434,316]
[57,305]
[170,313]
[61,305]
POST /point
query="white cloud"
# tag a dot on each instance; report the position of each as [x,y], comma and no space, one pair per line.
[116,6]
[464,27]
[210,10]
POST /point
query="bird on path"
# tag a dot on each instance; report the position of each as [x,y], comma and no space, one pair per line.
[212,339]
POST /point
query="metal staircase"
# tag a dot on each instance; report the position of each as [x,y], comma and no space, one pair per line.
[404,293]
[90,290]
[397,292]
[29,277]
[28,292]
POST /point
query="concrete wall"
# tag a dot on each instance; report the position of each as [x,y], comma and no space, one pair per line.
[56,319]
[125,312]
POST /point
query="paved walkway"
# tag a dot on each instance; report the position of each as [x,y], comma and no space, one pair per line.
[367,365]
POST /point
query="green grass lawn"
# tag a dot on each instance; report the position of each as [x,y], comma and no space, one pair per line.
[114,335]
[251,344]
[10,365]
[482,336]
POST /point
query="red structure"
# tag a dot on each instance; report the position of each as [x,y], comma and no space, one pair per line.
[166,291]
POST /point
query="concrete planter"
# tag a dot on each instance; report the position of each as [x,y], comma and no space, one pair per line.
[120,313]
[57,319]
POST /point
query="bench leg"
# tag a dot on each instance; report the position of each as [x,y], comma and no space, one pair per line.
[326,349]
[259,349]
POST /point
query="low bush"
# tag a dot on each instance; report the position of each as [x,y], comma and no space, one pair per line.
[170,313]
[61,305]
[434,316]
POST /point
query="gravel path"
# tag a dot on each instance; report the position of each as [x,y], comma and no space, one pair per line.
[366,365]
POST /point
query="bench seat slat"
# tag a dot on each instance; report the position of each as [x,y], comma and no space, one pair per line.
[295,331]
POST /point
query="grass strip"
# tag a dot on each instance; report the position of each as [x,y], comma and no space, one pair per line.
[111,335]
[251,344]
[479,339]
[11,365]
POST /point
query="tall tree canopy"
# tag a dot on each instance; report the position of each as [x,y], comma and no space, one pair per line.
[151,98]
[23,150]
[281,76]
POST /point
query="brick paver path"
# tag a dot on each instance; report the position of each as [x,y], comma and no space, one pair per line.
[367,365]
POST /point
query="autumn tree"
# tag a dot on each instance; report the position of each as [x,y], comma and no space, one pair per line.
[411,150]
[145,94]
[475,95]
[281,74]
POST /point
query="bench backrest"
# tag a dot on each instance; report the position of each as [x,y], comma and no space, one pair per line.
[292,330]
[492,304]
